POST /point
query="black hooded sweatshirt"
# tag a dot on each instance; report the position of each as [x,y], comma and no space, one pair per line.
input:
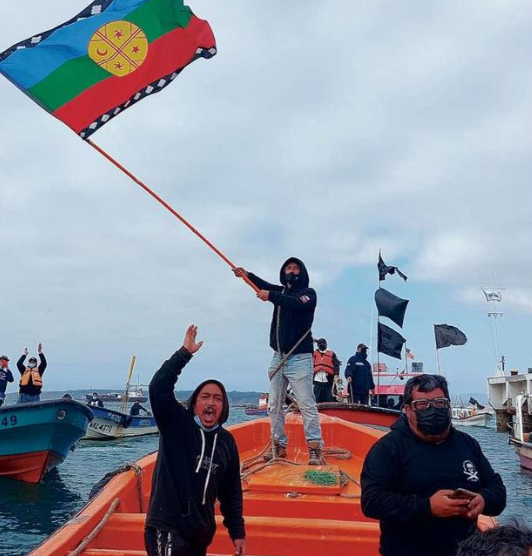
[293,311]
[401,472]
[191,471]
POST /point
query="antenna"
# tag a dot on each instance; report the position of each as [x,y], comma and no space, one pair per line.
[493,295]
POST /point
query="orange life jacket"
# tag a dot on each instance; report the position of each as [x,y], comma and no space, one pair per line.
[324,361]
[36,377]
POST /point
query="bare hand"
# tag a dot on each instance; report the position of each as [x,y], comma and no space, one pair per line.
[189,343]
[25,351]
[240,547]
[476,506]
[239,272]
[39,348]
[349,379]
[443,506]
[264,295]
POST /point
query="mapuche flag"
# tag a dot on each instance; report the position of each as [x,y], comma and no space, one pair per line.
[389,341]
[447,335]
[111,55]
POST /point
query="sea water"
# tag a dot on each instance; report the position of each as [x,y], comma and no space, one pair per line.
[29,513]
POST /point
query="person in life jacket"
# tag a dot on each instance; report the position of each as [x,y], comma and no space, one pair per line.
[30,385]
[326,371]
[197,464]
[5,377]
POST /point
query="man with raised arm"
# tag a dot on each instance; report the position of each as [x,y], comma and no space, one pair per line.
[197,463]
[31,383]
[294,304]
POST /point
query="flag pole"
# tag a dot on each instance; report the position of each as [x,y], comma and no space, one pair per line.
[170,209]
[438,361]
[378,358]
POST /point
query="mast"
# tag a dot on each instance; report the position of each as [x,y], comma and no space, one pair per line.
[493,295]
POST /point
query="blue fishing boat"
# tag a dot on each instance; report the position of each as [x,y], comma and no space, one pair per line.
[109,424]
[36,437]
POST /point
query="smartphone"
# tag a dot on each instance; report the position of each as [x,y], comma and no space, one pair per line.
[462,494]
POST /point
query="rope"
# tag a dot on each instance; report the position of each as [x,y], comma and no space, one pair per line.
[85,542]
[138,470]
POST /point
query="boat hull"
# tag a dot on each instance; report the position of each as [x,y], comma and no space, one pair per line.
[478,420]
[36,437]
[361,414]
[109,425]
[256,411]
[286,513]
[524,451]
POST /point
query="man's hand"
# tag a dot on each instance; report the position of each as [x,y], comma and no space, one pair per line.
[239,272]
[476,506]
[349,379]
[443,506]
[264,295]
[39,348]
[25,352]
[240,547]
[189,343]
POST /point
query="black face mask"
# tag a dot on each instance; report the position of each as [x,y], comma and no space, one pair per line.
[291,278]
[322,347]
[433,421]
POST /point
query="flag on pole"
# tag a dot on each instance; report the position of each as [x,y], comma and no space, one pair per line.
[389,341]
[114,53]
[385,269]
[447,335]
[492,295]
[391,306]
[409,354]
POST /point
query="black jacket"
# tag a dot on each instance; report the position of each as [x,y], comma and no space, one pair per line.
[176,503]
[5,377]
[359,370]
[296,306]
[30,389]
[401,472]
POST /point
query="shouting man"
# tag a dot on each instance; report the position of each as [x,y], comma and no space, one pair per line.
[197,463]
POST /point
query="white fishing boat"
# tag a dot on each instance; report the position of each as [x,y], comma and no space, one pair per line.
[472,414]
[471,417]
[110,424]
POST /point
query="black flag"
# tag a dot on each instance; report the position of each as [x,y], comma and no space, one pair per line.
[390,342]
[391,306]
[385,269]
[447,335]
[473,401]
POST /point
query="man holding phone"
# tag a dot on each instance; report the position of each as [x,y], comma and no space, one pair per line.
[426,482]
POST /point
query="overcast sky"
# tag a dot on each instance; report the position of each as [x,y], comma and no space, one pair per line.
[324,130]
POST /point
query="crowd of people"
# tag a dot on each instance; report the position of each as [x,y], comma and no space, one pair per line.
[424,481]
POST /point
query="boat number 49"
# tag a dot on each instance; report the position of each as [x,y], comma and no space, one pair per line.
[8,421]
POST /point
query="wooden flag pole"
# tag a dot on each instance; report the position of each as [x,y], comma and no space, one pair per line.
[170,209]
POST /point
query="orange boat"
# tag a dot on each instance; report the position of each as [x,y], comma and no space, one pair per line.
[291,509]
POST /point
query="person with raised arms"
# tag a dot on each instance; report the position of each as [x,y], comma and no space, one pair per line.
[197,463]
